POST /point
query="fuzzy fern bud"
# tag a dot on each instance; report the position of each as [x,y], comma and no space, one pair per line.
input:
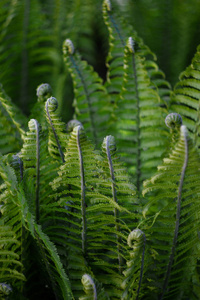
[72,124]
[107,5]
[52,104]
[89,285]
[33,125]
[68,47]
[44,91]
[109,141]
[130,44]
[173,121]
[136,240]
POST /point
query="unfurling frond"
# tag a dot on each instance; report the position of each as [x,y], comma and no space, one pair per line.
[58,136]
[172,215]
[140,132]
[91,102]
[186,95]
[135,266]
[93,289]
[43,92]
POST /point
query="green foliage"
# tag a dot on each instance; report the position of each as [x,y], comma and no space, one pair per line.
[107,205]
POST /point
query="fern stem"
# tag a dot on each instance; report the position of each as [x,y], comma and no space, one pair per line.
[87,98]
[54,131]
[83,203]
[178,214]
[114,193]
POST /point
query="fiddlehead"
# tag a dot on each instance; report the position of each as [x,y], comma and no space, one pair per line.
[134,273]
[57,129]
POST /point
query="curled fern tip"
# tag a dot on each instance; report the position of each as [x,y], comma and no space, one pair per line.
[136,238]
[44,91]
[68,47]
[173,120]
[130,44]
[110,142]
[107,5]
[52,104]
[72,124]
[33,125]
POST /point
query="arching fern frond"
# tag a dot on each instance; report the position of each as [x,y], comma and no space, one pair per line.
[140,119]
[91,99]
[71,189]
[58,136]
[38,164]
[185,99]
[172,208]
[12,123]
[12,244]
[135,266]
[119,31]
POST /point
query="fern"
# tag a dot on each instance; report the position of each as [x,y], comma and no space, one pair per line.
[173,210]
[91,98]
[185,99]
[92,289]
[139,119]
[57,130]
[135,270]
[119,31]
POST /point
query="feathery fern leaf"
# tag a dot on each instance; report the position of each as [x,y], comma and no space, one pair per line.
[135,270]
[91,98]
[57,130]
[172,215]
[11,125]
[119,31]
[140,119]
[71,188]
[186,97]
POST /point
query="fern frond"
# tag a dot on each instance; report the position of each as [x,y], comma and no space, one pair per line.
[92,289]
[134,273]
[12,244]
[186,97]
[140,119]
[91,98]
[173,208]
[11,125]
[119,31]
[47,250]
[38,164]
[71,188]
[57,130]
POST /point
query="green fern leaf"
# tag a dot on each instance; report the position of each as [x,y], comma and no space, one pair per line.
[11,125]
[186,96]
[58,137]
[91,98]
[135,267]
[172,214]
[140,119]
[119,31]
